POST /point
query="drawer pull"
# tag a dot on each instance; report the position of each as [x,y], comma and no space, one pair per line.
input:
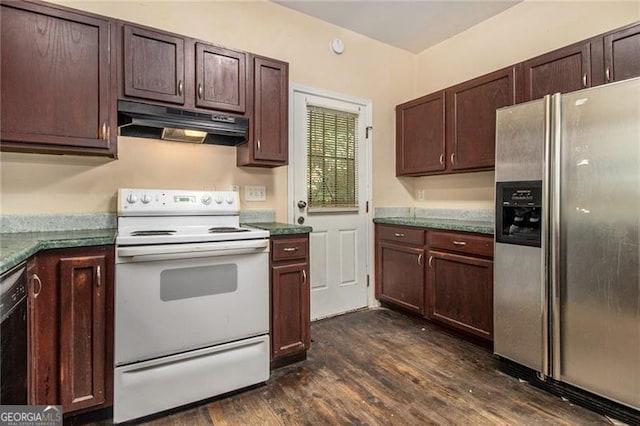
[420,259]
[399,235]
[290,249]
[459,243]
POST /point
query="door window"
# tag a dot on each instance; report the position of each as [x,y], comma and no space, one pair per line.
[332,166]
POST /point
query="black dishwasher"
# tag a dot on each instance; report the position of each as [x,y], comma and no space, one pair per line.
[13,334]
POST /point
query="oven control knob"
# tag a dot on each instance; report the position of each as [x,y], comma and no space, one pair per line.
[146,198]
[229,200]
[218,200]
[206,199]
[132,198]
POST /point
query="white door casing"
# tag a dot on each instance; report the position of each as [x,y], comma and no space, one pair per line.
[340,245]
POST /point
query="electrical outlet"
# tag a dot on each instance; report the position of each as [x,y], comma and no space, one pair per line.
[420,194]
[234,188]
[255,193]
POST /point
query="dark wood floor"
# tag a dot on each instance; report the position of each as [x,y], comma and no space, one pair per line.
[381,367]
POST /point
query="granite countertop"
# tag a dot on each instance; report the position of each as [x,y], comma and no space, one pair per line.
[482,227]
[277,228]
[19,246]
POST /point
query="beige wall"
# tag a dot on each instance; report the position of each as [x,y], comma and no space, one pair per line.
[368,69]
[526,30]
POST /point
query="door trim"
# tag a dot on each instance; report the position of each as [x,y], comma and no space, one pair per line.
[367,114]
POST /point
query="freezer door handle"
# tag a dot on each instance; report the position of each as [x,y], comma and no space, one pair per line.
[554,236]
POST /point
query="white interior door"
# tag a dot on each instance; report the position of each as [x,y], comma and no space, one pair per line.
[330,192]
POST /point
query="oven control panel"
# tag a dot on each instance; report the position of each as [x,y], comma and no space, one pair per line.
[169,202]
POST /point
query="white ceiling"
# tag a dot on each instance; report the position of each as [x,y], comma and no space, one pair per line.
[411,25]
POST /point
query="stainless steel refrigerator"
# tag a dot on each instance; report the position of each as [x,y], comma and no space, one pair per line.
[567,250]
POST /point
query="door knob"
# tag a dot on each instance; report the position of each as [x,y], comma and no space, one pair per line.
[301,220]
[302,204]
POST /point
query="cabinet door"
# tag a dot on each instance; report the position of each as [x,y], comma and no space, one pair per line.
[43,330]
[563,70]
[461,292]
[56,81]
[400,272]
[420,135]
[70,328]
[622,54]
[290,294]
[270,120]
[153,65]
[220,78]
[82,331]
[471,118]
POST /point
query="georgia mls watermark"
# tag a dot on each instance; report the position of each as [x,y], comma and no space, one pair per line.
[31,415]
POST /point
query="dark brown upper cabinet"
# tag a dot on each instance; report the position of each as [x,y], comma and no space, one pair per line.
[220,78]
[153,65]
[471,119]
[622,54]
[563,70]
[453,130]
[268,132]
[58,80]
[420,135]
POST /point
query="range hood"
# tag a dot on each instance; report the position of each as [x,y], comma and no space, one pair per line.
[180,125]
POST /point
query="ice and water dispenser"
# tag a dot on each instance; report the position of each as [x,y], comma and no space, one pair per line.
[519,212]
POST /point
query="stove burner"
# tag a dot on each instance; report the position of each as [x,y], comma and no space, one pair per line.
[225,229]
[151,233]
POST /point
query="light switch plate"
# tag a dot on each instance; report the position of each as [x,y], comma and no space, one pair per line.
[255,193]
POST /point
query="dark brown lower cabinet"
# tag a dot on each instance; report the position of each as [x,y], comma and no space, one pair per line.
[401,275]
[290,299]
[461,292]
[445,276]
[71,328]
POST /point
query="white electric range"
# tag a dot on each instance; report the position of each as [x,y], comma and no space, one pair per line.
[191,300]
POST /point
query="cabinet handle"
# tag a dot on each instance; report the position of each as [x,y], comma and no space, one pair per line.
[420,259]
[304,276]
[584,80]
[259,146]
[290,249]
[430,261]
[103,131]
[399,235]
[607,74]
[36,280]
[180,87]
[200,90]
[453,158]
[459,243]
[98,276]
[441,159]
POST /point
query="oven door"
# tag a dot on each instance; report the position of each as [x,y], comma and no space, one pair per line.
[178,297]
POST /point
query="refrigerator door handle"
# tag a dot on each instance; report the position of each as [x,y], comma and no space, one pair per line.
[544,230]
[555,233]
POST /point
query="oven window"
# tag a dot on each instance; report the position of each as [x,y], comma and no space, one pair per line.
[185,283]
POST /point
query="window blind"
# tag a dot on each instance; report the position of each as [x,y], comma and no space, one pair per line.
[332,160]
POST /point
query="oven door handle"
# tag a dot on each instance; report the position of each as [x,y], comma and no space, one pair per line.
[186,251]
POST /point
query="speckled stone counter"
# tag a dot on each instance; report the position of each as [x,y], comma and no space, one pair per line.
[276,228]
[19,246]
[481,227]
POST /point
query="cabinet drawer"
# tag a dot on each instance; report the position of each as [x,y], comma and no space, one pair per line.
[401,234]
[290,248]
[463,243]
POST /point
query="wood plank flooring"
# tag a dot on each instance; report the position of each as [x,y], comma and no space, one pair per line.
[380,367]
